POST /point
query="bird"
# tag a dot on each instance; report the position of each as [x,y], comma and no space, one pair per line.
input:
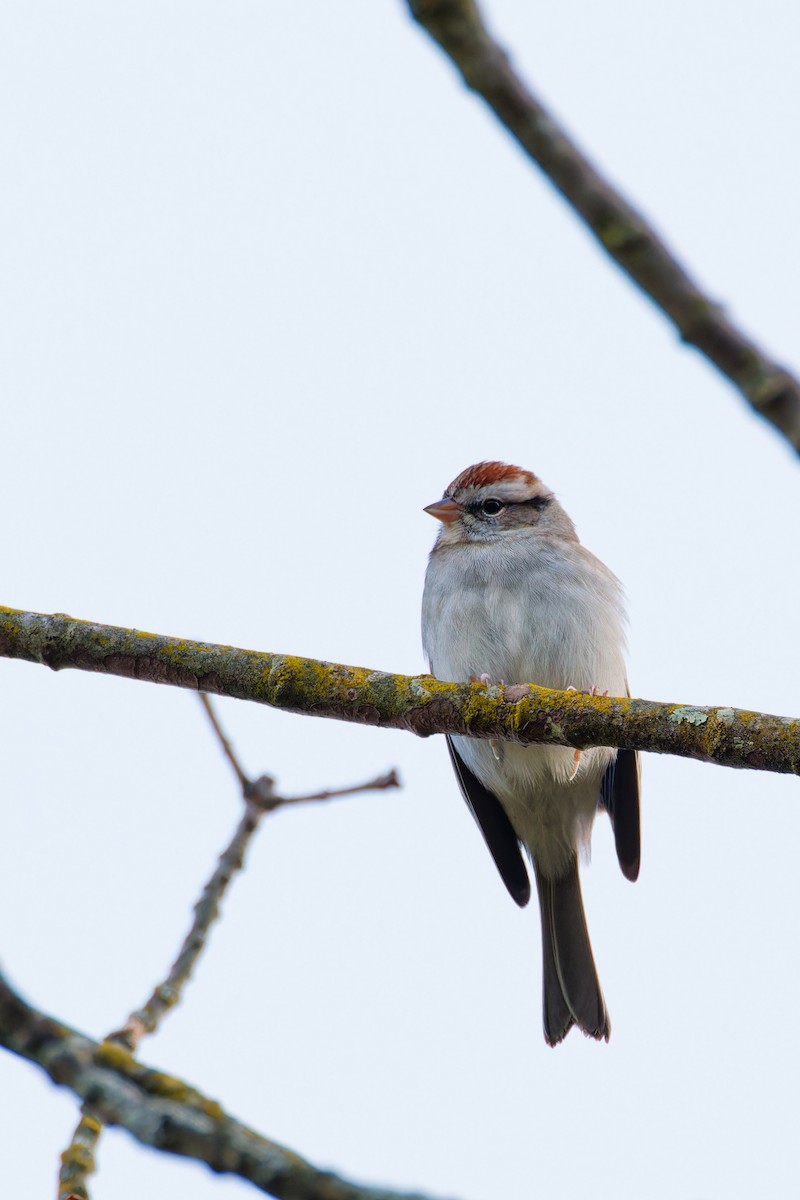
[511,596]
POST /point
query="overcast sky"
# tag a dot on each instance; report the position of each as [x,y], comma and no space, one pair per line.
[271,278]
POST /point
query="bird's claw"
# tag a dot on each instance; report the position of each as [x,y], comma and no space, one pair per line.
[498,750]
[593,691]
[576,764]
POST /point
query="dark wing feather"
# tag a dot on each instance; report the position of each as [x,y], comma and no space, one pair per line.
[619,793]
[497,830]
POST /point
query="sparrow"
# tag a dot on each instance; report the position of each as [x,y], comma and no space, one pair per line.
[511,596]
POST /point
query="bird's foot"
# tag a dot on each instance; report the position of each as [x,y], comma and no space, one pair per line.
[486,681]
[593,691]
[498,748]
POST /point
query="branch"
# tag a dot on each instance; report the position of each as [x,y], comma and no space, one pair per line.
[520,713]
[260,798]
[260,792]
[163,1112]
[167,994]
[623,233]
[78,1162]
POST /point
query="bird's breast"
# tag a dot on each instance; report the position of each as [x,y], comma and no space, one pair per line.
[545,616]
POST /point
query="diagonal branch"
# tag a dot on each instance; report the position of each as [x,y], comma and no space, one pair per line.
[164,1112]
[78,1160]
[260,798]
[521,713]
[458,27]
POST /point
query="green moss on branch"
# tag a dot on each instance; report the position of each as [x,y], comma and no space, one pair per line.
[421,704]
[164,1112]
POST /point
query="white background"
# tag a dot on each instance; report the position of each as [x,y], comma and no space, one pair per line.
[270,279]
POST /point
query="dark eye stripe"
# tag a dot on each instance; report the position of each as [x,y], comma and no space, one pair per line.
[492,506]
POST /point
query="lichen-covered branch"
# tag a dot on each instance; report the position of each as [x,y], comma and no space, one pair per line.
[164,1112]
[458,27]
[520,713]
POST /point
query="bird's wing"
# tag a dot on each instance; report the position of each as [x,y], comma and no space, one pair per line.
[497,830]
[619,794]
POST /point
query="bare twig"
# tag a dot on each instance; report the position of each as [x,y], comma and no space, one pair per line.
[78,1160]
[380,783]
[458,27]
[227,748]
[521,713]
[261,793]
[167,994]
[164,1112]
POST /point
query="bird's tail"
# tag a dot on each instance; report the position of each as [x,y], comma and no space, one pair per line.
[571,988]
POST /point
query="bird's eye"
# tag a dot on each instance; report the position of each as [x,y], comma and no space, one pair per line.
[491,507]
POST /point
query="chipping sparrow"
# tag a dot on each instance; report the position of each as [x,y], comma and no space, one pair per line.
[510,593]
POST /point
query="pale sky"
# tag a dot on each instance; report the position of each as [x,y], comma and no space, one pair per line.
[271,278]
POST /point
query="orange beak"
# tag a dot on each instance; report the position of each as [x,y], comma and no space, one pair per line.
[444,510]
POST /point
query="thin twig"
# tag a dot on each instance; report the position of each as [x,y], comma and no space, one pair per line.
[458,27]
[78,1160]
[167,994]
[261,791]
[227,748]
[380,783]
